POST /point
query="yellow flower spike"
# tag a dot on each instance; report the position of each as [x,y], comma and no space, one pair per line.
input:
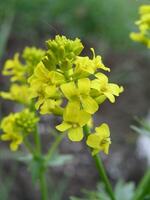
[100,140]
[105,89]
[81,94]
[143,24]
[61,53]
[73,120]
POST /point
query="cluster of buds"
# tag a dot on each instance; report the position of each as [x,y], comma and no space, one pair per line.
[70,85]
[143,24]
[16,126]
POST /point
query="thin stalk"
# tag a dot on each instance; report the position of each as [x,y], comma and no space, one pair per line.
[101,169]
[54,146]
[37,141]
[42,175]
[43,185]
[28,146]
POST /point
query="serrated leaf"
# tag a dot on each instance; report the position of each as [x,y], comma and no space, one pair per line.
[124,191]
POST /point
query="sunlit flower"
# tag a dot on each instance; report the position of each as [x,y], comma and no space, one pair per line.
[100,140]
[73,120]
[105,89]
[81,94]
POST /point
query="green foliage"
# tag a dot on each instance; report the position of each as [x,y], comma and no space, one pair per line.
[88,19]
[122,191]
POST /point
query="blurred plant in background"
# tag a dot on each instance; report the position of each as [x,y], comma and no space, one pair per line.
[144,26]
[88,19]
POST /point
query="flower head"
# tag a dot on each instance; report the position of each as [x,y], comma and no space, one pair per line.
[104,89]
[17,126]
[80,94]
[100,140]
[73,120]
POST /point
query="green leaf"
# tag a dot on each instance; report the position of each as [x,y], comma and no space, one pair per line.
[58,160]
[124,191]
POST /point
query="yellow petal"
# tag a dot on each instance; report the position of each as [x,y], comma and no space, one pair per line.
[110,96]
[102,77]
[89,105]
[84,85]
[63,127]
[93,141]
[83,118]
[69,89]
[75,134]
[103,130]
[72,112]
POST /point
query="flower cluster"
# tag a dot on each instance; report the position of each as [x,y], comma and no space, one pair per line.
[143,24]
[19,73]
[17,126]
[73,86]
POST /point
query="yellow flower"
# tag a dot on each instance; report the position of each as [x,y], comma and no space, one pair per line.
[80,94]
[15,69]
[18,93]
[20,71]
[15,138]
[105,89]
[73,120]
[17,126]
[10,134]
[51,106]
[43,84]
[100,140]
[85,66]
[143,24]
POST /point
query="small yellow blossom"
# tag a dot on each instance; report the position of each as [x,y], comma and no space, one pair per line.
[15,69]
[17,126]
[81,94]
[44,85]
[73,120]
[100,140]
[105,89]
[18,93]
[15,138]
[85,66]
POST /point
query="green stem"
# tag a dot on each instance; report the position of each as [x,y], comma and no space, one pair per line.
[37,141]
[42,175]
[28,146]
[54,146]
[101,169]
[43,185]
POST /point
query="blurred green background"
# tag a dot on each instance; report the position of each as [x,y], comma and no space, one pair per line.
[104,25]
